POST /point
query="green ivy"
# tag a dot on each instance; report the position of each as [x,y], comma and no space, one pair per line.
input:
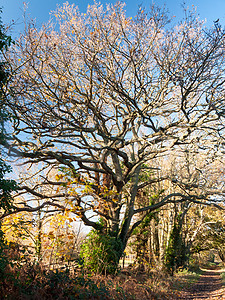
[101,253]
[175,253]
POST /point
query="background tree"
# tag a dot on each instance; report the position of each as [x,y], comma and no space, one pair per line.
[166,236]
[6,185]
[210,234]
[102,95]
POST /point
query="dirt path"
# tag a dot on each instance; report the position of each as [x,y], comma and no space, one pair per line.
[209,286]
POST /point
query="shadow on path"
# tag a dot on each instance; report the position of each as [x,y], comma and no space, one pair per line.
[209,286]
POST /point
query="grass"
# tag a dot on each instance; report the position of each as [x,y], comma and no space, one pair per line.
[210,265]
[223,278]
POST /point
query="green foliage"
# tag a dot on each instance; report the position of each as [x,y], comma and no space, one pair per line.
[223,278]
[101,253]
[141,235]
[5,42]
[6,185]
[175,252]
[143,227]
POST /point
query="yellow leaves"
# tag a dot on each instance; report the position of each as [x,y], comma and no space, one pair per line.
[58,177]
[75,180]
[87,189]
[72,20]
[71,192]
[69,202]
[110,193]
[18,227]
[78,207]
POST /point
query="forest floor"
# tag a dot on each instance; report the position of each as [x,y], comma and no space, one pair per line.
[33,282]
[209,286]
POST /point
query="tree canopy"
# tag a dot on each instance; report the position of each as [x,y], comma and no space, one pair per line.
[100,98]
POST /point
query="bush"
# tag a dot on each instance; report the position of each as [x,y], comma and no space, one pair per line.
[101,253]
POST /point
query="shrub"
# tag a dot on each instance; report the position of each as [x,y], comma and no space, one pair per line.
[101,253]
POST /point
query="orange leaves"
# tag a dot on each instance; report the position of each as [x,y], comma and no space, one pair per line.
[51,235]
[127,21]
[81,180]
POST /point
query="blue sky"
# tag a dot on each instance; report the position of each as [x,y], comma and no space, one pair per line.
[39,9]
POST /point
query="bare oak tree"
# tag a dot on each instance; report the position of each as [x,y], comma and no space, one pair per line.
[99,96]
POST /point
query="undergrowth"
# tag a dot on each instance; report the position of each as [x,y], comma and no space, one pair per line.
[32,282]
